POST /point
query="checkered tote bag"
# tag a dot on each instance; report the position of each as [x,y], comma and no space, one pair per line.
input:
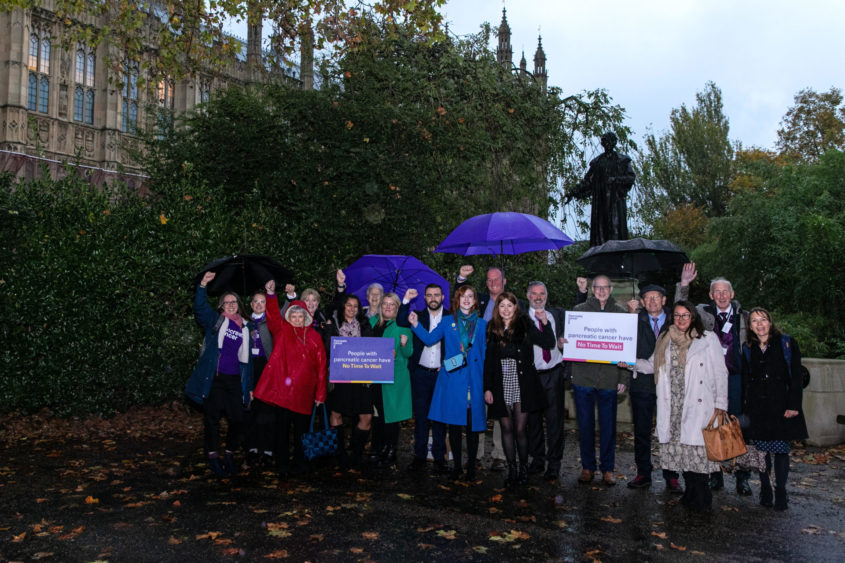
[319,443]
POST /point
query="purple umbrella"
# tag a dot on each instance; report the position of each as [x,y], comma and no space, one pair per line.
[503,233]
[395,273]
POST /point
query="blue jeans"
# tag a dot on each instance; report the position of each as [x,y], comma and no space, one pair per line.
[586,399]
[422,390]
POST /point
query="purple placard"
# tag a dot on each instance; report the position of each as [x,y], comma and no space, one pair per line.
[361,360]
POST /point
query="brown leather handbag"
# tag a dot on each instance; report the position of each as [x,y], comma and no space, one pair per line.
[723,441]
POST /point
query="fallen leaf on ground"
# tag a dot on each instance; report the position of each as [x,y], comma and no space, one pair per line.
[425,546]
[811,530]
[405,496]
[729,508]
[356,549]
[678,547]
[280,554]
[479,549]
[208,535]
[661,535]
[19,538]
[446,534]
[91,500]
[611,519]
[496,498]
[561,524]
[173,541]
[369,535]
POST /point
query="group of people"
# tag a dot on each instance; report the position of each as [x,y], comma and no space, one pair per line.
[494,356]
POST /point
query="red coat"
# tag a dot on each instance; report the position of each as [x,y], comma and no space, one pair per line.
[295,375]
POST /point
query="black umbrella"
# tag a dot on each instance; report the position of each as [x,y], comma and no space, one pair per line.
[630,258]
[243,273]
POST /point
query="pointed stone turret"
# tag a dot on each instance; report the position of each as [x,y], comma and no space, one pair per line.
[253,41]
[523,66]
[504,53]
[540,63]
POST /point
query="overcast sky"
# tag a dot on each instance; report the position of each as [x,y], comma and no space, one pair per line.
[653,55]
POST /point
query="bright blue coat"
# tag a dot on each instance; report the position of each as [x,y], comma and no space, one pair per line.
[449,402]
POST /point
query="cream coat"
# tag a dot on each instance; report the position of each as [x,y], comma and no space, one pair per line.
[705,388]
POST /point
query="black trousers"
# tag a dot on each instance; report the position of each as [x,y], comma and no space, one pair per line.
[547,446]
[285,421]
[643,405]
[225,397]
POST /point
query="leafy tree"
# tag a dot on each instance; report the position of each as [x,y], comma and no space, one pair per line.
[814,125]
[405,139]
[178,38]
[779,242]
[690,165]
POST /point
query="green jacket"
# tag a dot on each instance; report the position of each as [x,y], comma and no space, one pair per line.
[397,397]
[599,376]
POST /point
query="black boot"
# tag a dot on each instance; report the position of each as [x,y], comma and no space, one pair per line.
[229,464]
[522,478]
[342,456]
[765,490]
[686,500]
[513,475]
[781,464]
[358,441]
[216,468]
[705,497]
[742,486]
[388,457]
[717,481]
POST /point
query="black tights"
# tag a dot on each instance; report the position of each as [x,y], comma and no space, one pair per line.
[455,442]
[514,434]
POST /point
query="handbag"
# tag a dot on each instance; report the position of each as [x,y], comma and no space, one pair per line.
[319,443]
[724,441]
[752,460]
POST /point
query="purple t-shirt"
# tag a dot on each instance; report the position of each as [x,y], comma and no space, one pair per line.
[229,362]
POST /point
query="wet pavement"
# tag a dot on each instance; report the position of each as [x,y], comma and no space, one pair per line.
[137,497]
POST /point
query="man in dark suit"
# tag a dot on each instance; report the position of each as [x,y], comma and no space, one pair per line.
[653,318]
[546,448]
[424,366]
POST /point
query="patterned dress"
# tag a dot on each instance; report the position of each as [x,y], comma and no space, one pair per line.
[674,455]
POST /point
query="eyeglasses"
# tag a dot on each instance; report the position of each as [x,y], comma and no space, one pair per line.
[683,316]
[601,287]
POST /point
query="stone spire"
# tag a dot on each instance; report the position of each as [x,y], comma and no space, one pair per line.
[540,63]
[504,53]
[523,66]
[253,40]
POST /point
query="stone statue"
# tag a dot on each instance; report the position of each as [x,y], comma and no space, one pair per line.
[607,182]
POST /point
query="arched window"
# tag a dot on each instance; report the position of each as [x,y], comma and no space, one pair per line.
[83,100]
[130,97]
[38,93]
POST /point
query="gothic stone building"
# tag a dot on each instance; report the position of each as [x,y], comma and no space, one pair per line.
[59,104]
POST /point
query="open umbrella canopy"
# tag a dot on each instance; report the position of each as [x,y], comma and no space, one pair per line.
[243,273]
[396,273]
[503,233]
[629,258]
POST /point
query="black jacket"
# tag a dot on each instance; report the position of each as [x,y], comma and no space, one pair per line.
[525,335]
[769,389]
[424,320]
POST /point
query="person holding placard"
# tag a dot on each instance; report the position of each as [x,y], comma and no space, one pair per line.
[347,319]
[458,398]
[511,386]
[598,384]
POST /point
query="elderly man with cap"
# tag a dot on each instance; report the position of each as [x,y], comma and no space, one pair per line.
[653,318]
